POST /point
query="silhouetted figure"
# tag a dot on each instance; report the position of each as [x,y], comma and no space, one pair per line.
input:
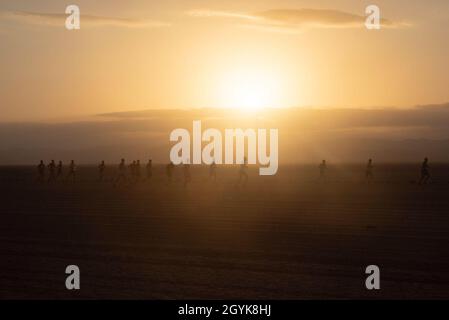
[425,174]
[213,171]
[323,169]
[41,171]
[149,169]
[51,171]
[132,170]
[243,174]
[187,176]
[369,170]
[59,170]
[137,170]
[72,171]
[101,169]
[121,174]
[169,171]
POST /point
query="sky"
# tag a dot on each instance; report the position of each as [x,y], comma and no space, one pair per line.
[184,54]
[138,69]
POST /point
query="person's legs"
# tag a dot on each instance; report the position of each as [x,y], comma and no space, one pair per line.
[423,178]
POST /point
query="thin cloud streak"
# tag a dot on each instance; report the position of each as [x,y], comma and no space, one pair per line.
[295,19]
[57,20]
[223,14]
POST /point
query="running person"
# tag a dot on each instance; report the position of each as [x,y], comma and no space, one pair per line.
[149,168]
[132,170]
[72,171]
[51,170]
[425,173]
[213,171]
[101,169]
[59,170]
[41,171]
[369,170]
[137,170]
[243,174]
[323,169]
[121,175]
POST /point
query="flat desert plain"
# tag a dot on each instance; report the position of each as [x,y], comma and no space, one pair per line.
[287,236]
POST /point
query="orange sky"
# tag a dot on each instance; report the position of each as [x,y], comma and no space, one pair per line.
[191,54]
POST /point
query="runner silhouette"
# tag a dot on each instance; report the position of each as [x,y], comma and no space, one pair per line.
[51,170]
[149,168]
[137,170]
[133,170]
[101,169]
[121,174]
[425,174]
[323,169]
[41,171]
[369,170]
[59,170]
[213,171]
[243,175]
[72,171]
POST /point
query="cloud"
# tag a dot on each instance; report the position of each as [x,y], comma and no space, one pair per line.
[223,14]
[57,20]
[294,19]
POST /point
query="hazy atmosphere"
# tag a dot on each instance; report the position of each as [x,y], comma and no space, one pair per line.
[205,150]
[305,135]
[380,92]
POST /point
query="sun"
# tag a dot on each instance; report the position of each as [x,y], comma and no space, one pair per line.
[250,89]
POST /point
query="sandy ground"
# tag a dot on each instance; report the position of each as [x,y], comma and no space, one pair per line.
[283,237]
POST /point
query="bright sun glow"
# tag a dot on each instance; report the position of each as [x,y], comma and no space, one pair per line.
[250,90]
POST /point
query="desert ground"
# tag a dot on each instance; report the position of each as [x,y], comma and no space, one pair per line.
[288,236]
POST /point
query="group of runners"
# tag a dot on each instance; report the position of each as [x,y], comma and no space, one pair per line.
[133,173]
[243,174]
[55,171]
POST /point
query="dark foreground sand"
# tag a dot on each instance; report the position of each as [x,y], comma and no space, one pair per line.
[283,237]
